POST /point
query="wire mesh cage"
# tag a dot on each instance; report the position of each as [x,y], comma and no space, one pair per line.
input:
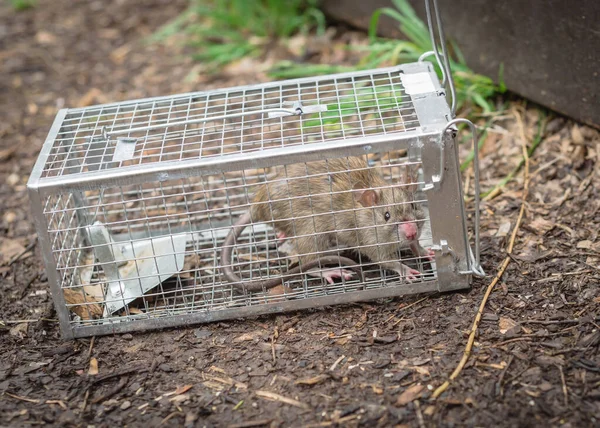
[248,200]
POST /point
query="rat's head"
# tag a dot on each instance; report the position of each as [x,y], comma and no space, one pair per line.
[393,210]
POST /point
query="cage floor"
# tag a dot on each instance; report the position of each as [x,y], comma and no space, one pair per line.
[199,287]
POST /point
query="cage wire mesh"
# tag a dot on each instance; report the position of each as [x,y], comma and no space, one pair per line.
[346,188]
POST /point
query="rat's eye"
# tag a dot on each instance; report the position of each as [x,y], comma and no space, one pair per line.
[387,215]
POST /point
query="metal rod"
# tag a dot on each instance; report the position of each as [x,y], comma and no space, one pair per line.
[446,57]
[445,65]
[477,269]
[205,119]
[442,69]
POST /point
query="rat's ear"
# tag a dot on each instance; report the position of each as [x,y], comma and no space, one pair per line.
[409,178]
[367,197]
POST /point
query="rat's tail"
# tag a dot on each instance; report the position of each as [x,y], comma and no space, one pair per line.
[229,244]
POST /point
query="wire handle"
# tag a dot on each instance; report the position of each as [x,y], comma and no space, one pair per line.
[476,265]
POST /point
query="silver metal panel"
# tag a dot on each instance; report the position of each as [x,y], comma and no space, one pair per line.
[192,168]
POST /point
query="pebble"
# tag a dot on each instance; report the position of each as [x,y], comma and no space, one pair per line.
[13,179]
[126,405]
[202,334]
[127,336]
[10,217]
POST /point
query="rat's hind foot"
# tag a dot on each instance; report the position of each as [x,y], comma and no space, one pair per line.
[281,237]
[330,274]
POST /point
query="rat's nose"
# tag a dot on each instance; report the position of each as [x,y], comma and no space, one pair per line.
[409,230]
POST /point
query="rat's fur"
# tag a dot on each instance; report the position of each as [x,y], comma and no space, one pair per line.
[323,204]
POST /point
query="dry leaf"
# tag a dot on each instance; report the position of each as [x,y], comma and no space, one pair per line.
[576,135]
[430,410]
[134,348]
[504,229]
[506,324]
[19,330]
[9,248]
[183,389]
[247,336]
[279,290]
[541,226]
[93,371]
[45,38]
[312,380]
[85,305]
[410,395]
[585,245]
[93,96]
[377,390]
[422,370]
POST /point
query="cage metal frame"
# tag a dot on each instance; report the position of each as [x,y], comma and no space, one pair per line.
[434,142]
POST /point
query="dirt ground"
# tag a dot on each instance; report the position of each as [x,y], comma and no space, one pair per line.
[535,360]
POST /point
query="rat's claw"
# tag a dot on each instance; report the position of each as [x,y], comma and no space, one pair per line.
[430,255]
[411,274]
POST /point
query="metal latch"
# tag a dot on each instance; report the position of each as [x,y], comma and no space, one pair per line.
[446,249]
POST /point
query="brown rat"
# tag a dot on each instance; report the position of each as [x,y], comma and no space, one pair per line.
[323,204]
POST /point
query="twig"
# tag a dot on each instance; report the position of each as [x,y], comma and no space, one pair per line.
[125,371]
[251,424]
[112,391]
[516,339]
[334,365]
[403,308]
[419,414]
[564,385]
[27,249]
[544,322]
[28,284]
[281,398]
[85,399]
[499,390]
[171,415]
[18,397]
[91,347]
[471,341]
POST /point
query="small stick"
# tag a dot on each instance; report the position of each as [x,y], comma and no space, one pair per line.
[504,265]
[111,392]
[22,253]
[171,415]
[575,321]
[564,385]
[408,306]
[334,365]
[91,346]
[499,390]
[273,349]
[18,397]
[251,424]
[281,398]
[419,414]
[59,402]
[85,399]
[125,371]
